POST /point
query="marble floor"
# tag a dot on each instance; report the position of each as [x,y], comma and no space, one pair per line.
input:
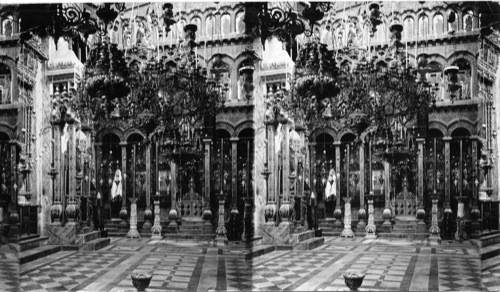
[389,265]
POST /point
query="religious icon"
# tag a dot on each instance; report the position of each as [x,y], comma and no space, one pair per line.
[116,187]
[331,185]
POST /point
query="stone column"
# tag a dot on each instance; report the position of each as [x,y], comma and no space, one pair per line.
[247,215]
[347,232]
[123,212]
[387,225]
[421,227]
[173,214]
[98,198]
[337,213]
[447,169]
[370,228]
[434,230]
[271,209]
[312,185]
[362,211]
[133,233]
[475,213]
[56,208]
[156,229]
[285,206]
[221,225]
[207,212]
[71,208]
[148,214]
[13,215]
[234,182]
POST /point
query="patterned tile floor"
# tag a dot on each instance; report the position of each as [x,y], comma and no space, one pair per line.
[389,265]
[9,268]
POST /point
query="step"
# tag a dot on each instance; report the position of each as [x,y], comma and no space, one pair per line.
[489,232]
[95,244]
[303,236]
[38,252]
[490,263]
[412,235]
[309,244]
[489,252]
[33,243]
[188,236]
[490,239]
[83,238]
[260,250]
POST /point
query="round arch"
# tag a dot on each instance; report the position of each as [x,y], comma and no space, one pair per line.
[132,131]
[226,127]
[317,132]
[242,127]
[439,126]
[465,124]
[115,131]
[8,130]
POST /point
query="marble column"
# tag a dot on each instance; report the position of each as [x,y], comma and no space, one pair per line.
[13,215]
[234,182]
[475,213]
[434,229]
[312,185]
[387,225]
[156,229]
[285,206]
[98,175]
[56,208]
[362,211]
[337,213]
[207,212]
[148,214]
[247,233]
[71,207]
[347,232]
[221,230]
[421,227]
[173,214]
[370,228]
[447,169]
[123,212]
[460,233]
[133,233]
[271,209]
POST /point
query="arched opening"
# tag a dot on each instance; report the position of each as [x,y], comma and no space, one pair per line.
[221,171]
[468,18]
[136,172]
[435,78]
[323,164]
[197,22]
[461,169]
[8,26]
[464,79]
[423,26]
[408,28]
[240,23]
[350,172]
[110,176]
[437,24]
[225,25]
[210,26]
[245,166]
[5,84]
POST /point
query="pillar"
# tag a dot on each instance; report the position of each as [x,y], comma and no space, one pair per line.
[247,213]
[156,229]
[271,209]
[221,227]
[123,212]
[173,214]
[362,211]
[370,228]
[447,215]
[234,174]
[13,215]
[421,227]
[285,206]
[434,229]
[387,225]
[475,213]
[207,212]
[56,208]
[133,233]
[148,214]
[71,207]
[312,177]
[347,232]
[337,213]
[98,199]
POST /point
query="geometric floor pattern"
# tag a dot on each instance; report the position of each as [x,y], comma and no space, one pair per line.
[188,265]
[9,269]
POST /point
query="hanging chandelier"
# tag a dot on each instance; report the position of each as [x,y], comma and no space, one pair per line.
[167,94]
[350,87]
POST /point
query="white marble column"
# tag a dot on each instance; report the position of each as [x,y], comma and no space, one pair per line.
[347,232]
[156,229]
[370,228]
[133,233]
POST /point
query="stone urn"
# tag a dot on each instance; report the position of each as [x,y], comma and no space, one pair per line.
[141,281]
[353,280]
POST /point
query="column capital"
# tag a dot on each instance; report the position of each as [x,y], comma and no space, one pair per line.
[123,144]
[420,140]
[207,140]
[312,143]
[234,139]
[337,143]
[447,138]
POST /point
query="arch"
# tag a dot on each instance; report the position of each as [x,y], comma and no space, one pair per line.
[130,132]
[7,129]
[113,137]
[114,130]
[197,21]
[6,84]
[438,126]
[4,137]
[438,24]
[435,133]
[220,125]
[135,137]
[460,132]
[240,23]
[468,20]
[408,27]
[423,25]
[243,126]
[319,131]
[461,123]
[466,55]
[225,24]
[346,135]
[247,133]
[210,25]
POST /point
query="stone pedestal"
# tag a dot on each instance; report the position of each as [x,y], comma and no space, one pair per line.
[71,211]
[247,221]
[434,230]
[337,214]
[62,235]
[221,228]
[55,213]
[156,229]
[387,225]
[370,228]
[347,232]
[362,219]
[277,235]
[133,233]
[286,213]
[123,216]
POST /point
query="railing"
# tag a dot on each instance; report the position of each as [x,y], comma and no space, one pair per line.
[489,215]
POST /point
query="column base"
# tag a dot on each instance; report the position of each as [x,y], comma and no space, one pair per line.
[285,223]
[133,233]
[386,226]
[361,225]
[435,236]
[371,235]
[421,227]
[347,232]
[146,227]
